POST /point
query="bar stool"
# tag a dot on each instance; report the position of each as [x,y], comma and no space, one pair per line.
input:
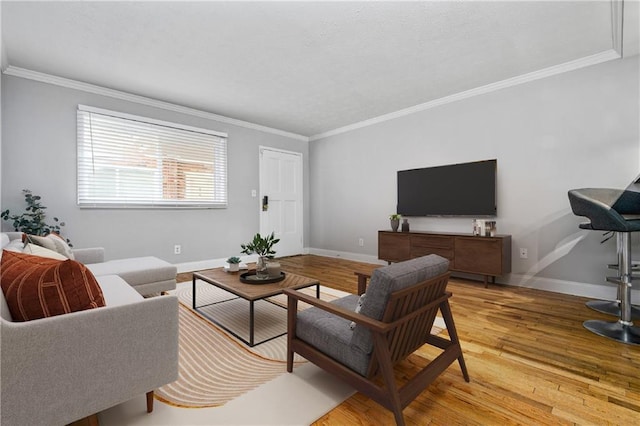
[605,208]
[613,307]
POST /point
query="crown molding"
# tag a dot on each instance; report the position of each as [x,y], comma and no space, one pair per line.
[103,91]
[598,58]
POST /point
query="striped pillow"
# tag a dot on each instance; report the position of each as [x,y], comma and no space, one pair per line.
[38,287]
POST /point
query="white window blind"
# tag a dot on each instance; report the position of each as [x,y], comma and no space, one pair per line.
[129,161]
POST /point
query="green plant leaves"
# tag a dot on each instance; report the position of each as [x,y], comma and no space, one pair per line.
[32,222]
[262,246]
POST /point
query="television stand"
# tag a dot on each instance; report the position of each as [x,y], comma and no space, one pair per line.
[486,256]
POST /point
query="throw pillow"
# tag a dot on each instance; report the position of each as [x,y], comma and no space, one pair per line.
[15,245]
[52,242]
[37,250]
[37,287]
[61,245]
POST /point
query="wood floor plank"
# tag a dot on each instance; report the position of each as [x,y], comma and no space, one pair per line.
[529,358]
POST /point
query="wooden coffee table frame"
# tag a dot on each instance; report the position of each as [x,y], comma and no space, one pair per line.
[250,292]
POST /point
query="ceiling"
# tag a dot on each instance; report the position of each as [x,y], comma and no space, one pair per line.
[305,67]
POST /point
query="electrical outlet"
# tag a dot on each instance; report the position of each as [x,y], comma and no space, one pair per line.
[524,254]
[177,249]
[361,242]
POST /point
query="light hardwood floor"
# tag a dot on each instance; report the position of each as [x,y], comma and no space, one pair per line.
[529,358]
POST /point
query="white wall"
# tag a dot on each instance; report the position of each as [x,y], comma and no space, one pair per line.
[578,129]
[39,153]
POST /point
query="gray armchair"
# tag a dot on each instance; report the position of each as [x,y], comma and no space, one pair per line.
[395,319]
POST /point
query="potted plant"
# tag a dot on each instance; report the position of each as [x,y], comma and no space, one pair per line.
[263,247]
[395,221]
[234,264]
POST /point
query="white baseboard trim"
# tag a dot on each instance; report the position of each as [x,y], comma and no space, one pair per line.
[358,257]
[200,265]
[574,288]
[592,291]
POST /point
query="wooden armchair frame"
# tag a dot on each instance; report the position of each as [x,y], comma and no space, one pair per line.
[405,326]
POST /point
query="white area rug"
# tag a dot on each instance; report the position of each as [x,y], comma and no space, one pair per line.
[215,366]
[230,383]
[299,398]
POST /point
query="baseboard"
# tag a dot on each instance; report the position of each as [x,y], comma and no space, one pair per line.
[218,263]
[357,257]
[574,288]
[592,291]
[199,265]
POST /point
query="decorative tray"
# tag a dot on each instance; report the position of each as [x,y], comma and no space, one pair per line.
[251,278]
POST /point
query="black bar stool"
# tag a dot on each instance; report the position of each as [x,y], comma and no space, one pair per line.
[606,209]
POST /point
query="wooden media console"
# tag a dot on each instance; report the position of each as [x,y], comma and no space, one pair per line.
[486,256]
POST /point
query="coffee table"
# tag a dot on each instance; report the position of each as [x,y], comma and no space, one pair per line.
[230,282]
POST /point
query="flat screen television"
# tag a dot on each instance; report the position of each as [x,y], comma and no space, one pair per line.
[466,189]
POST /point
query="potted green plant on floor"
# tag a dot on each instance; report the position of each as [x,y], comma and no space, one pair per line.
[263,247]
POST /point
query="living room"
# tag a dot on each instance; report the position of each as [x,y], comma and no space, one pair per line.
[569,123]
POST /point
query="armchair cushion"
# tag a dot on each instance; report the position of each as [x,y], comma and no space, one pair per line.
[332,334]
[38,287]
[388,279]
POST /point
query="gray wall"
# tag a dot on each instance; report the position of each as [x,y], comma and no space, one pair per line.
[578,129]
[39,153]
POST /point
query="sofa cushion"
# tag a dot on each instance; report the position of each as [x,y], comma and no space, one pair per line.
[37,287]
[389,279]
[332,335]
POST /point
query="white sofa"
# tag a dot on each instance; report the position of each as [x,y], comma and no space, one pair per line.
[148,275]
[60,369]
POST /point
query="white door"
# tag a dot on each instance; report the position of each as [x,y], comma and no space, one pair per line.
[281,199]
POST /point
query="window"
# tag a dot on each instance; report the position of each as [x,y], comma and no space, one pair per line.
[129,161]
